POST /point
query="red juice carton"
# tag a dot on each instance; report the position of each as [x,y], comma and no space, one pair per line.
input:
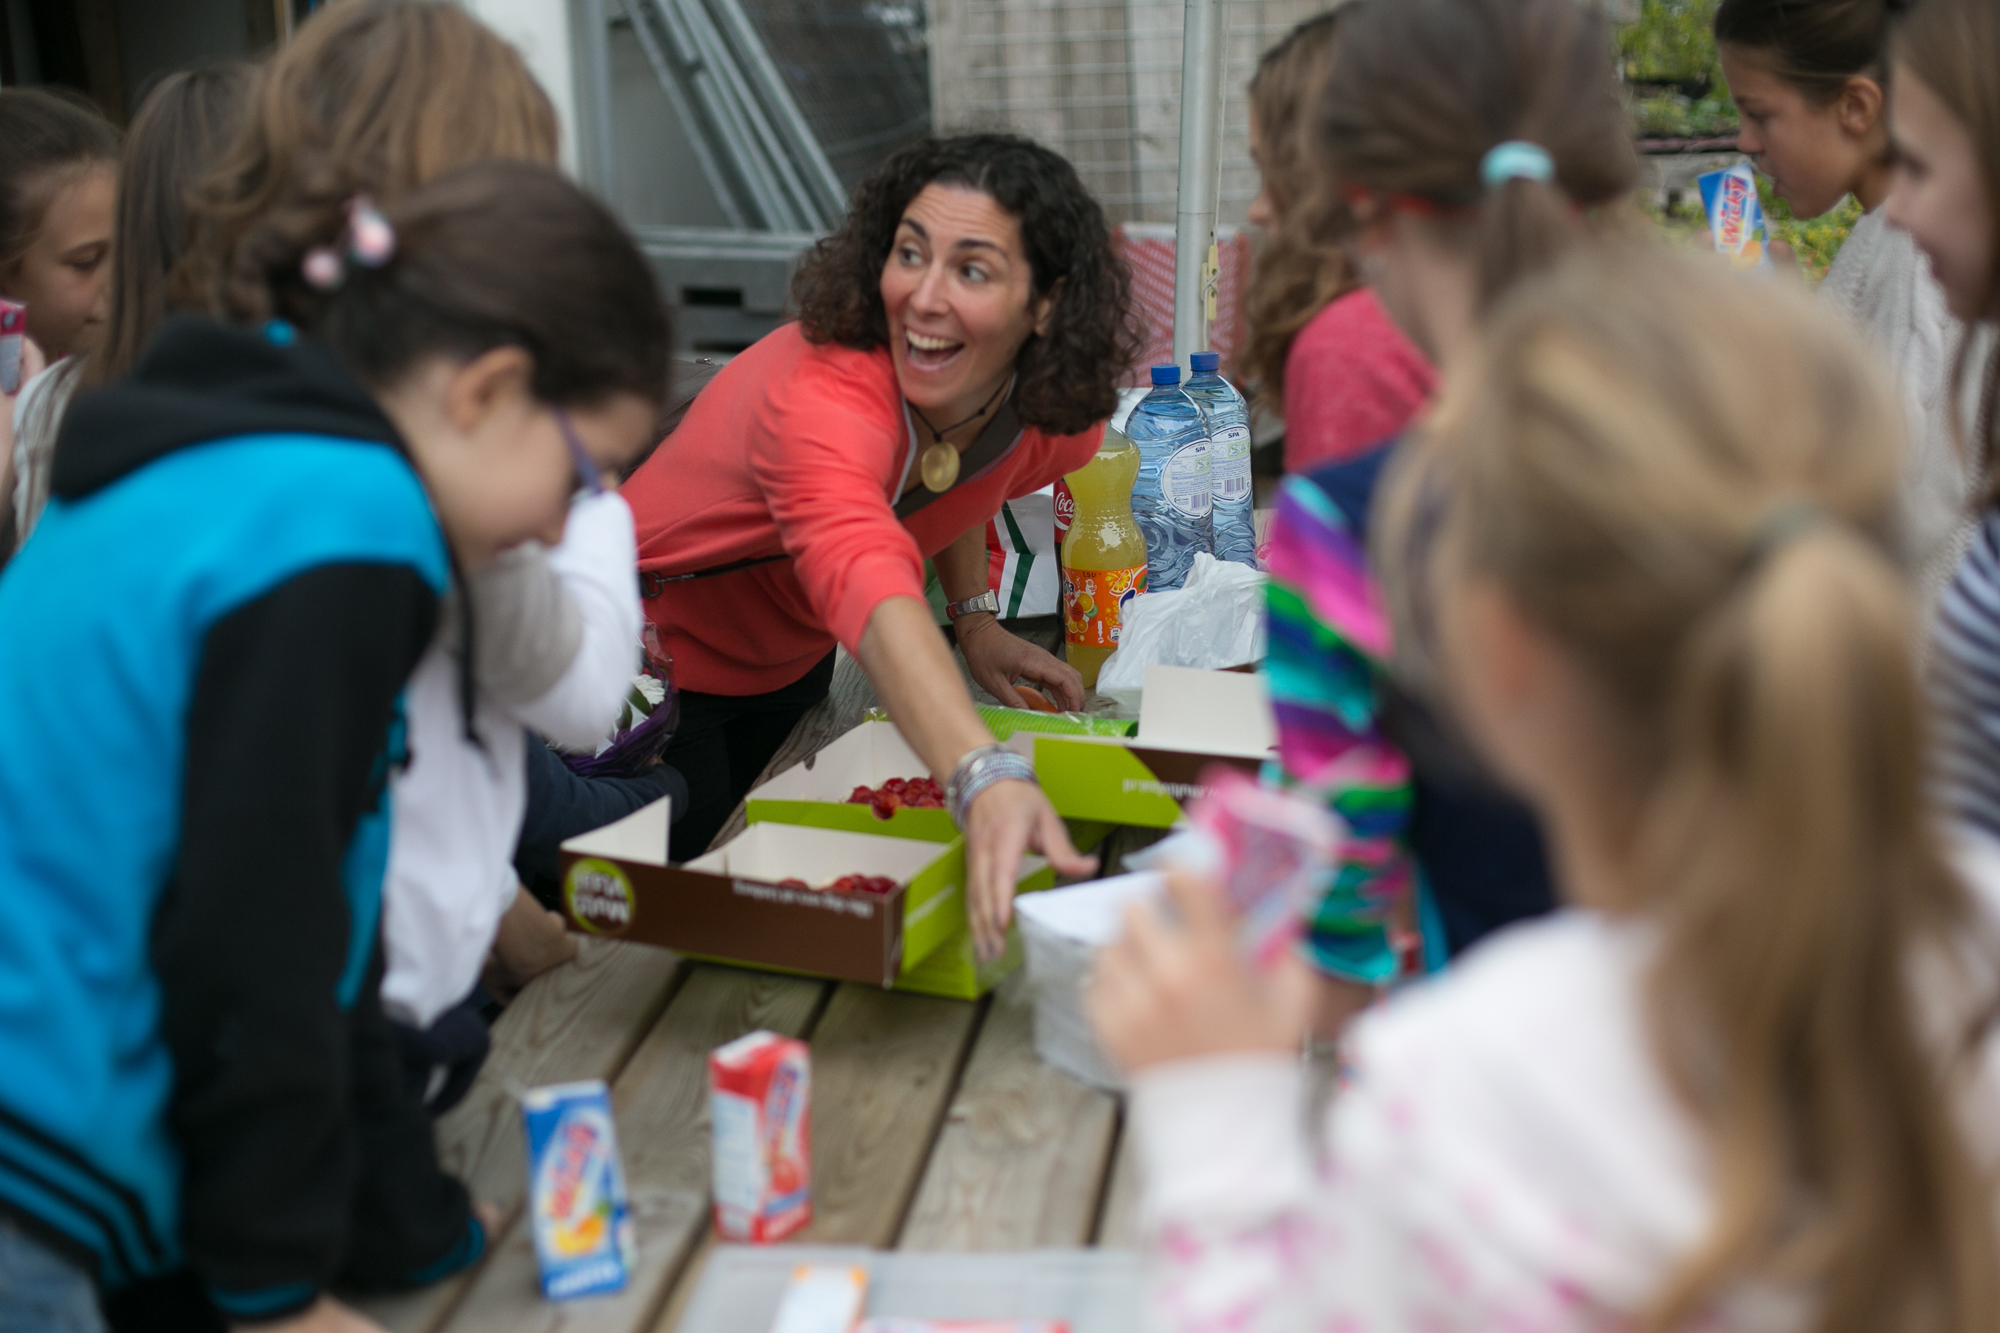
[759,1096]
[13,329]
[1271,849]
[576,1191]
[1736,216]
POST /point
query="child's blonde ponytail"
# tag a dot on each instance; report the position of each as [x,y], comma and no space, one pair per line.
[1689,481]
[1792,848]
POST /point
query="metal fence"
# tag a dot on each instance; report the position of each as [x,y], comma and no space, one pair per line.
[1100,81]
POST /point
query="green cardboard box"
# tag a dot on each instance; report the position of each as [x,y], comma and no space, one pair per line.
[1189,720]
[731,905]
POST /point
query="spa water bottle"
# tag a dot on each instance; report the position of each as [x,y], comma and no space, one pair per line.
[1103,555]
[1228,460]
[1171,500]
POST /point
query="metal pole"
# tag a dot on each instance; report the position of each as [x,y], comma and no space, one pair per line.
[1200,173]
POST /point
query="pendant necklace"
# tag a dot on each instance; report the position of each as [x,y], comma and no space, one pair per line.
[939,464]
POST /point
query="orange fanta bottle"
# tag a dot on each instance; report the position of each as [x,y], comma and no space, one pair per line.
[1103,554]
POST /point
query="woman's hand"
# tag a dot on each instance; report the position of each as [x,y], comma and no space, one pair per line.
[1169,990]
[997,658]
[1007,820]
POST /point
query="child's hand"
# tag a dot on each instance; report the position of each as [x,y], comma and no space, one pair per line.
[531,940]
[1166,991]
[326,1316]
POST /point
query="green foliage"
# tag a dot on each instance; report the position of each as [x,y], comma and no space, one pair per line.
[1672,42]
[1814,240]
[1668,56]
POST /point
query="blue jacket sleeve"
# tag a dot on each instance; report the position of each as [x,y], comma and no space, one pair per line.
[562,805]
[264,941]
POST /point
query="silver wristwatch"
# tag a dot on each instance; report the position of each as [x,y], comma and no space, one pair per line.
[986,601]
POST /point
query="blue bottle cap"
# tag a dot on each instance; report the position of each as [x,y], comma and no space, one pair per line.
[1205,363]
[1166,374]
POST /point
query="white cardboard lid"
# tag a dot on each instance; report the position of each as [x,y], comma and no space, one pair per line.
[1207,712]
[815,855]
[641,836]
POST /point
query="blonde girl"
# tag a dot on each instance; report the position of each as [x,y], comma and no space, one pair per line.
[1649,549]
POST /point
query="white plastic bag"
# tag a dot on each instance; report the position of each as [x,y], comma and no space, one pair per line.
[1062,930]
[1214,620]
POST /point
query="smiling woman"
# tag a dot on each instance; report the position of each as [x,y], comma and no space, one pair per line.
[958,344]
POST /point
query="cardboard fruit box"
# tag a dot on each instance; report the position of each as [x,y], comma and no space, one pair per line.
[814,792]
[1188,720]
[731,904]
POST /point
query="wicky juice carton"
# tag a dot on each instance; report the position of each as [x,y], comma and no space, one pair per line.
[576,1190]
[759,1095]
[1736,216]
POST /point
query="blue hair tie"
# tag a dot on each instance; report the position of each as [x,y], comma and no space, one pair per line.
[1516,159]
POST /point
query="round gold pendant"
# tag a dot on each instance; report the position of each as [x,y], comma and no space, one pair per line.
[939,467]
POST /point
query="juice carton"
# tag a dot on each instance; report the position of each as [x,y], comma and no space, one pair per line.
[1271,849]
[576,1190]
[13,328]
[1736,216]
[759,1092]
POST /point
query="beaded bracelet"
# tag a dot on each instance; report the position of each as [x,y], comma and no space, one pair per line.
[980,769]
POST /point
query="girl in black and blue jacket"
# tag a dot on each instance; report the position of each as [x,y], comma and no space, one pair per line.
[199,704]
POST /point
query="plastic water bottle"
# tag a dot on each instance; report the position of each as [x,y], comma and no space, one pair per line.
[1228,460]
[1171,499]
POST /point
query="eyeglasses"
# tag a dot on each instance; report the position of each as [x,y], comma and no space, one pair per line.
[589,477]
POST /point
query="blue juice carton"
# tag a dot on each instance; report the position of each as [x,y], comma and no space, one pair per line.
[1736,216]
[576,1190]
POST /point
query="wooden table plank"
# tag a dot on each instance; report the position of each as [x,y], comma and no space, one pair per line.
[685,1285]
[661,1103]
[581,1020]
[885,1066]
[1118,1227]
[1024,1153]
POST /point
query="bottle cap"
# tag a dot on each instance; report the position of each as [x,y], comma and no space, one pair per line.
[1205,363]
[1166,374]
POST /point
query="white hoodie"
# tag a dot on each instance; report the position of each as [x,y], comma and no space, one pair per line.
[556,634]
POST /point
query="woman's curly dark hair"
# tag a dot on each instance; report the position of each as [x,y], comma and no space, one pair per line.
[1068,380]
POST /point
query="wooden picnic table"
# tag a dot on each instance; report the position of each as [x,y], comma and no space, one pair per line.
[934,1126]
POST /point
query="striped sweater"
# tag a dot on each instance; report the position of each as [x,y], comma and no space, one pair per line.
[1966,672]
[1329,643]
